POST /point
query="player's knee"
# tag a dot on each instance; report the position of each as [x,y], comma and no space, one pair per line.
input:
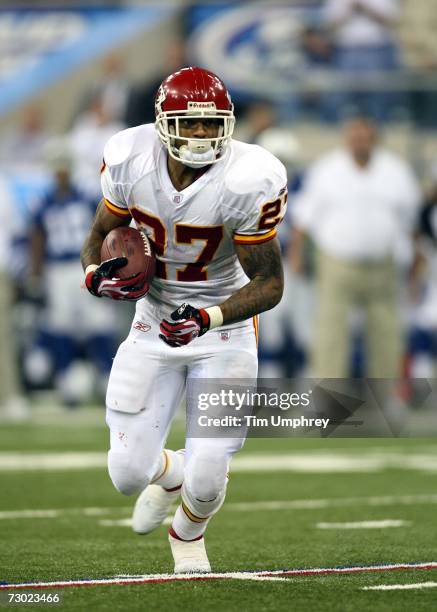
[127,476]
[205,476]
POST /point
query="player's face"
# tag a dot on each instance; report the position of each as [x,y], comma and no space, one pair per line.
[199,128]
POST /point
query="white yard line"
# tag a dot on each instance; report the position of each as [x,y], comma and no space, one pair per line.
[56,513]
[51,461]
[271,505]
[24,514]
[382,524]
[118,523]
[315,504]
[308,462]
[396,587]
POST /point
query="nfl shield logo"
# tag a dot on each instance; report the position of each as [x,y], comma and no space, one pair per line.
[225,335]
[177,199]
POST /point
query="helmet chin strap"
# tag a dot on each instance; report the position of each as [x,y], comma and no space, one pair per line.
[196,154]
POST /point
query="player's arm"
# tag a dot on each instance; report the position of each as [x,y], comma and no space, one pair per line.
[104,222]
[101,278]
[253,213]
[263,265]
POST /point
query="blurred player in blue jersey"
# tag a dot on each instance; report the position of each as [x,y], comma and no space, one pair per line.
[72,323]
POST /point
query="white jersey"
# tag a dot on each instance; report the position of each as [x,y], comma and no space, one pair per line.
[240,199]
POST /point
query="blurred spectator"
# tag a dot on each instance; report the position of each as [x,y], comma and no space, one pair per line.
[23,148]
[317,52]
[423,98]
[73,324]
[89,134]
[284,330]
[113,88]
[12,405]
[362,32]
[359,205]
[141,102]
[22,159]
[423,335]
[316,47]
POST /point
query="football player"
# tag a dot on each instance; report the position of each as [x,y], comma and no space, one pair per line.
[70,324]
[210,205]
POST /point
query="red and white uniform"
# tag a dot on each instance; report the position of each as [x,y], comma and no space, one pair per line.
[240,199]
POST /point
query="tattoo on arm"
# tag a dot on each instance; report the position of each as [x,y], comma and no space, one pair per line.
[104,222]
[263,265]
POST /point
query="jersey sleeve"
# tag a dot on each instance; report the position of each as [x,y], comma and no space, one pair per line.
[258,200]
[113,177]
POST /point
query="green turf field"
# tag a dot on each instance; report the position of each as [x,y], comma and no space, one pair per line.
[271,520]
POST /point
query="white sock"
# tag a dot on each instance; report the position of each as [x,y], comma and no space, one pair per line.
[188,528]
[170,471]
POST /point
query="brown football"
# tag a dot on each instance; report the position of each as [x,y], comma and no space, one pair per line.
[135,246]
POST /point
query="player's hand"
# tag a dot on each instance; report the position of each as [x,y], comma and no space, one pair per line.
[103,282]
[187,324]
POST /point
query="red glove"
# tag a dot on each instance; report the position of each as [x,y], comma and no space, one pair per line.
[102,282]
[189,323]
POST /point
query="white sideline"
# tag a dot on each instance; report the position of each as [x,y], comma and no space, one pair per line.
[309,462]
[383,524]
[395,587]
[243,575]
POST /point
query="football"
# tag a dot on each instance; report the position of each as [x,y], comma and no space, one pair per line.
[135,246]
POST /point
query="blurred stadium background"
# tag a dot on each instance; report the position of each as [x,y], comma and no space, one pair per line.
[71,75]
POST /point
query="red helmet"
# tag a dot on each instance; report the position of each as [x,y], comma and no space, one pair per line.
[195,93]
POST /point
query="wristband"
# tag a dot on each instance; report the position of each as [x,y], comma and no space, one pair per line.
[215,316]
[91,268]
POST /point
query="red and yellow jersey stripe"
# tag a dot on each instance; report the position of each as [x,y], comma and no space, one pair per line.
[256,327]
[124,213]
[254,238]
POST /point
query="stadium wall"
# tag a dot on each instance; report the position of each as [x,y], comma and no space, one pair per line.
[143,59]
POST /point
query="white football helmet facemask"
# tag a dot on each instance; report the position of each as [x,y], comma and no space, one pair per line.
[194,94]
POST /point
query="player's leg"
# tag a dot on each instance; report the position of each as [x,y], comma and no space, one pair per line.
[144,391]
[207,459]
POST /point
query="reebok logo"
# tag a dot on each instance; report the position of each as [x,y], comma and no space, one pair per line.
[196,105]
[143,327]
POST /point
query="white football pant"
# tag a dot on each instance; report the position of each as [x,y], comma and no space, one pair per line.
[146,386]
